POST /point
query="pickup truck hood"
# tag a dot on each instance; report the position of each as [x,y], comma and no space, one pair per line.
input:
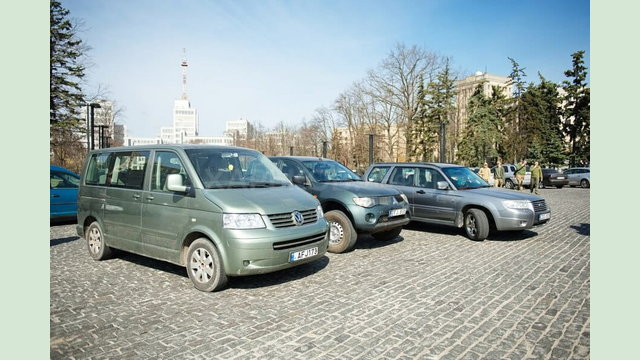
[504,194]
[264,201]
[358,188]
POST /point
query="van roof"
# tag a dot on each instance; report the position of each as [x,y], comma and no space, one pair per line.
[170,147]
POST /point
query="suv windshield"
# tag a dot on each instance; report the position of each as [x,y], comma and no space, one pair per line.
[235,168]
[464,178]
[325,171]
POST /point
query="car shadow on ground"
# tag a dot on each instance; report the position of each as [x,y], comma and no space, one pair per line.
[450,230]
[55,242]
[367,242]
[236,282]
[582,229]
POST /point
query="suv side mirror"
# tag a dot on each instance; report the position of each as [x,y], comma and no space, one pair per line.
[299,180]
[442,185]
[174,183]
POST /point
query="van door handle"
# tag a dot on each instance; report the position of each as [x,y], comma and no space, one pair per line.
[136,196]
[150,197]
[420,192]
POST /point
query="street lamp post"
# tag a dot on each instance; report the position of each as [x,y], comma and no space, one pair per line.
[90,126]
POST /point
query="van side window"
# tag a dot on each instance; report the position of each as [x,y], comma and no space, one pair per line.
[127,170]
[166,163]
[97,169]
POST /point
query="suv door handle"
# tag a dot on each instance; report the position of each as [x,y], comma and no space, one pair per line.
[136,196]
[421,192]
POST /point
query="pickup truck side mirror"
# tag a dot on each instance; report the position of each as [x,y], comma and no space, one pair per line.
[174,183]
[299,180]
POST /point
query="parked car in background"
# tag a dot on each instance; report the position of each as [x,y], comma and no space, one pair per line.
[454,195]
[578,176]
[553,177]
[510,181]
[351,206]
[63,193]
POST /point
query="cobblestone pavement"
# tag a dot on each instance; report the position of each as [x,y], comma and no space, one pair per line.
[429,294]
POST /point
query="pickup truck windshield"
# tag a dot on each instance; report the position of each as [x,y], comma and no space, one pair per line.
[330,171]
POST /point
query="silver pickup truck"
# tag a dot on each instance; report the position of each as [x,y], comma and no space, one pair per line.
[454,195]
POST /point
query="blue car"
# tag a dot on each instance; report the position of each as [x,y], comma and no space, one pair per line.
[63,198]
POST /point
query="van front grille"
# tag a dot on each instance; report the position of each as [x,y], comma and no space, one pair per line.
[286,219]
[289,244]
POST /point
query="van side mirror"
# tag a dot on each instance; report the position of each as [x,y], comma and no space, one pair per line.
[299,180]
[174,183]
[442,185]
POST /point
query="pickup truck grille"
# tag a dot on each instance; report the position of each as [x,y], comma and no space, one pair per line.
[289,244]
[539,205]
[286,219]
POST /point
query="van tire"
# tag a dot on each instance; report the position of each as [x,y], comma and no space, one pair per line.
[388,235]
[204,266]
[342,235]
[476,224]
[95,242]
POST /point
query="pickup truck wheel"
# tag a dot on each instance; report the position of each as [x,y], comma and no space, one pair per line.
[508,184]
[95,242]
[388,235]
[342,235]
[476,224]
[584,183]
[204,266]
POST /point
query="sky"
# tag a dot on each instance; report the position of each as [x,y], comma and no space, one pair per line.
[278,61]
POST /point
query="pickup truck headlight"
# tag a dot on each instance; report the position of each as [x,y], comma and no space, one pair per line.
[242,221]
[365,202]
[319,212]
[404,197]
[518,204]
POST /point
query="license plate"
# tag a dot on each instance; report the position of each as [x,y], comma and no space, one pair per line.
[560,178]
[545,216]
[397,212]
[299,255]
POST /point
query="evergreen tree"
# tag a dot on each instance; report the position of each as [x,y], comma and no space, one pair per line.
[66,69]
[514,147]
[422,136]
[482,131]
[577,125]
[441,101]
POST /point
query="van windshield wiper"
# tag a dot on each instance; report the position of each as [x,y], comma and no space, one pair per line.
[245,185]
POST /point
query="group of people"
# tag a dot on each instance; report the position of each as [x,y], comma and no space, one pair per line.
[536,175]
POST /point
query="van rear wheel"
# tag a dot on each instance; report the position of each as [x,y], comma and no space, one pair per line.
[95,242]
[204,266]
[342,235]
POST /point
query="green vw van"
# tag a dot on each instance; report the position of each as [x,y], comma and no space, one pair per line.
[218,211]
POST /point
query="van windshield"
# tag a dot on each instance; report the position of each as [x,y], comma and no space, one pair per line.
[235,168]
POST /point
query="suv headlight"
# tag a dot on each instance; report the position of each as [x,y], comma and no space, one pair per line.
[518,204]
[319,212]
[365,202]
[242,221]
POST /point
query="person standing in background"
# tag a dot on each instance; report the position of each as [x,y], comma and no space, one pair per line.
[536,177]
[499,175]
[520,174]
[485,172]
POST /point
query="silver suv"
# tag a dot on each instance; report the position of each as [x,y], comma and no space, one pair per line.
[454,195]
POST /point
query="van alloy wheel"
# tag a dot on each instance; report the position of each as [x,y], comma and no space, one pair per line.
[95,242]
[204,266]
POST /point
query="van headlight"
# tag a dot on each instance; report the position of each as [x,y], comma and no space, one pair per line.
[365,202]
[518,204]
[242,221]
[319,212]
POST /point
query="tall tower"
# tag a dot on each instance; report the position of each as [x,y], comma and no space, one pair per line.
[184,66]
[185,118]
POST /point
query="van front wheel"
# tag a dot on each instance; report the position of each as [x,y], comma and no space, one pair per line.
[95,242]
[204,266]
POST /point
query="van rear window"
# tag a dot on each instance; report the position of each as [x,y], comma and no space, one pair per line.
[124,169]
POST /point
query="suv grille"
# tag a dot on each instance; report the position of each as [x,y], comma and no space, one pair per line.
[286,219]
[283,245]
[539,205]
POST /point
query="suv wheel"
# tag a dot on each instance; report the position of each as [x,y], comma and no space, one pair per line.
[508,184]
[476,224]
[388,235]
[342,235]
[584,183]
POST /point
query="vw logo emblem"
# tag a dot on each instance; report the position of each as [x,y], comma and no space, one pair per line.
[297,218]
